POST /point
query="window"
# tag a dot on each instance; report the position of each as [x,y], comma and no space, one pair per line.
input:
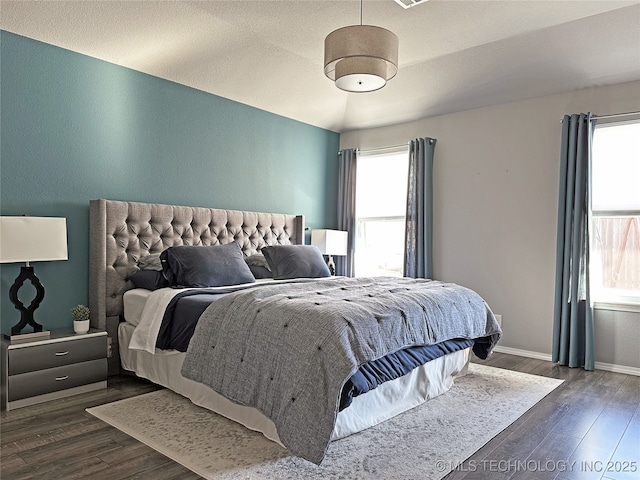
[381,204]
[615,210]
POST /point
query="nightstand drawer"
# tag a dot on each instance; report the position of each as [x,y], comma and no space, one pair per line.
[48,355]
[50,380]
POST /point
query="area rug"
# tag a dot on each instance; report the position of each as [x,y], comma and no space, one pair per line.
[426,442]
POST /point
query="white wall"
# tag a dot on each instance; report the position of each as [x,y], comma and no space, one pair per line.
[496,178]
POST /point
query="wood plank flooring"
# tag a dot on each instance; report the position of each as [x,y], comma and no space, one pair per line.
[589,423]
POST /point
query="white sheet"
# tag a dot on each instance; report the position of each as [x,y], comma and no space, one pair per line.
[145,334]
[386,401]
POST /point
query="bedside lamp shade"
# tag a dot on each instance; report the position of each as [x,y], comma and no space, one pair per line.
[330,242]
[30,239]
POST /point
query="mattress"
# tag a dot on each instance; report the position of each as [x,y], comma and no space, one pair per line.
[388,400]
[134,301]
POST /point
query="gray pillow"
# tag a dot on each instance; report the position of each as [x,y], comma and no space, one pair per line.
[213,266]
[150,262]
[295,261]
[258,260]
[260,272]
[149,279]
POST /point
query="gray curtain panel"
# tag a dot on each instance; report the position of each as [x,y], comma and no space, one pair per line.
[573,313]
[418,255]
[347,208]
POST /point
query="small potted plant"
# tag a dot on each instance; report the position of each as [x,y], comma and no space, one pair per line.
[80,315]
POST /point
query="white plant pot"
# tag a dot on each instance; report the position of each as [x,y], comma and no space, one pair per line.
[81,327]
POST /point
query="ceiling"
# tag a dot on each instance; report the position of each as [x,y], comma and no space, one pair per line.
[454,54]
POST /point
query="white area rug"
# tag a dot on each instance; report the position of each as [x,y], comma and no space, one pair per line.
[423,443]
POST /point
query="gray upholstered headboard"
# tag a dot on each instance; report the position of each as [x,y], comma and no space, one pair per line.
[122,232]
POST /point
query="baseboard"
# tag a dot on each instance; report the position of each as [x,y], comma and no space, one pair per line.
[522,353]
[609,367]
[612,367]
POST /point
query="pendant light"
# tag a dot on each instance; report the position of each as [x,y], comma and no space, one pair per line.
[361,58]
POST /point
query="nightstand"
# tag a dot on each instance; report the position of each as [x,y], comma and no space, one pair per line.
[41,370]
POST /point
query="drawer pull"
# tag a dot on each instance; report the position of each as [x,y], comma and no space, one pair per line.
[59,379]
[62,354]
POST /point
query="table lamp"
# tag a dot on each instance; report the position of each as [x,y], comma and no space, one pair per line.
[330,242]
[30,239]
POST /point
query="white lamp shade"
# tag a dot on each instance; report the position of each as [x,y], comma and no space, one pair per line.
[330,242]
[32,239]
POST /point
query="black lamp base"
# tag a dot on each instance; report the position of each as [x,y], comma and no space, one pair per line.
[331,265]
[26,313]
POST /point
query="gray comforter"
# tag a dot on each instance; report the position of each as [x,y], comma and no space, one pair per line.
[288,349]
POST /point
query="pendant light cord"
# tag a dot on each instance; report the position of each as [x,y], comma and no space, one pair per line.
[360,12]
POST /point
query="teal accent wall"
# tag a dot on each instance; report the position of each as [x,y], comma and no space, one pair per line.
[74,128]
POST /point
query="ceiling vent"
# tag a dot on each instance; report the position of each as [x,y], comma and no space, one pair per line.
[409,3]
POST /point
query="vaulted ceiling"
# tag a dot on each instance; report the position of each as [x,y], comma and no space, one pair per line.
[454,54]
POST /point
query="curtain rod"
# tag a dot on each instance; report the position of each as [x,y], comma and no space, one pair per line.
[383,148]
[614,115]
[379,149]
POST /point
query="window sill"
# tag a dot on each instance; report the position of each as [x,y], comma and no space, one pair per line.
[617,306]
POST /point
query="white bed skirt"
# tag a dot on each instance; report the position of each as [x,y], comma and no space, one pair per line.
[388,400]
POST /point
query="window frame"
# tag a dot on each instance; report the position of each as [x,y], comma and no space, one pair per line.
[362,155]
[603,301]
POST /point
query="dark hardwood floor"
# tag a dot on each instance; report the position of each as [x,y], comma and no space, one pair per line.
[585,429]
[588,428]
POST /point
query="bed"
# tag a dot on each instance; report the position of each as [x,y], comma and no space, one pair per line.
[123,233]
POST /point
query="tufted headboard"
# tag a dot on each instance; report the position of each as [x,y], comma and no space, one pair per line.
[122,232]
